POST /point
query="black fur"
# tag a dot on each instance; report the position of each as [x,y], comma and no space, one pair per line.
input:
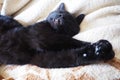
[49,43]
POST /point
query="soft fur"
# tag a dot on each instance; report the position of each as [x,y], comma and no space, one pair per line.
[49,43]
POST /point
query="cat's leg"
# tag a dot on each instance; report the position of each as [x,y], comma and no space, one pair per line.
[58,42]
[7,23]
[97,52]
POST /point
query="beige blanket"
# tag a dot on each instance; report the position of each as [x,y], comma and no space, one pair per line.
[102,21]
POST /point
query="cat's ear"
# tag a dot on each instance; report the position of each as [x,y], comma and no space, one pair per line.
[80,18]
[61,7]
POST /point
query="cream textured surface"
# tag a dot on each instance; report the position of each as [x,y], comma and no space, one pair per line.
[102,21]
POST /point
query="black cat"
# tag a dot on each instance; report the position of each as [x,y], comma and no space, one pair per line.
[49,43]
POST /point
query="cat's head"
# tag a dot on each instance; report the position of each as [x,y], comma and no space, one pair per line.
[63,22]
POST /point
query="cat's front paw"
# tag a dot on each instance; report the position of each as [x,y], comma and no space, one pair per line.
[94,53]
[103,50]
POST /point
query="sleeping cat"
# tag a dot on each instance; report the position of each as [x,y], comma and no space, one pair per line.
[49,43]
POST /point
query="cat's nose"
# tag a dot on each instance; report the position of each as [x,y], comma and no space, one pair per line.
[58,21]
[103,49]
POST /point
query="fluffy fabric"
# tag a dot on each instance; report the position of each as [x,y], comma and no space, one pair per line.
[91,72]
[18,4]
[102,21]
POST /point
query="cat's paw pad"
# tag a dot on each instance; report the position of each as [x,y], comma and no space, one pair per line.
[103,49]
